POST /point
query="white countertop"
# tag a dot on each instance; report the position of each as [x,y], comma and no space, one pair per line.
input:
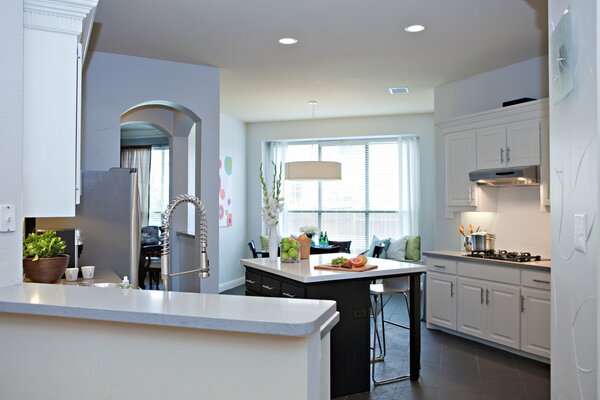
[263,315]
[304,271]
[461,256]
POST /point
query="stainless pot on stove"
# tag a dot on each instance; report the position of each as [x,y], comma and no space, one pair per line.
[483,241]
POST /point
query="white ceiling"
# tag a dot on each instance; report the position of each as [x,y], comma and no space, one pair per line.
[350,51]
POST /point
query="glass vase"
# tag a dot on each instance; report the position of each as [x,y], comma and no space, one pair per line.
[273,243]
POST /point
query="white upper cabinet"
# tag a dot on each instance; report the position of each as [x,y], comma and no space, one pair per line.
[491,143]
[52,87]
[515,136]
[523,144]
[460,160]
[515,145]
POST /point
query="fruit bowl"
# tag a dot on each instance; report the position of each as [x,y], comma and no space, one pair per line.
[290,250]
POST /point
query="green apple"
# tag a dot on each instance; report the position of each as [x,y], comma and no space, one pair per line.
[285,246]
[293,253]
[284,255]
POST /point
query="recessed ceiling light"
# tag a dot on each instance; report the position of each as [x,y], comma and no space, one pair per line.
[398,90]
[414,28]
[288,40]
[312,102]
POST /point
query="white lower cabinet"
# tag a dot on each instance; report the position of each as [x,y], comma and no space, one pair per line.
[488,310]
[535,321]
[503,317]
[471,306]
[441,300]
[504,305]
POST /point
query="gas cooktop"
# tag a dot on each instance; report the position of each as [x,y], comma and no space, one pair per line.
[504,255]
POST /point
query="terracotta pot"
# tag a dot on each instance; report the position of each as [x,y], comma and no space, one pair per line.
[46,270]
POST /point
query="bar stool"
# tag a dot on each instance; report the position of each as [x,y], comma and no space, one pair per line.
[388,286]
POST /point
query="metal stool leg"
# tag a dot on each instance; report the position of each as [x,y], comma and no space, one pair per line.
[376,331]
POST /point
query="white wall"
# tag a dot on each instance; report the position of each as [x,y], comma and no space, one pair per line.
[479,93]
[11,135]
[421,124]
[115,83]
[233,239]
[489,90]
[574,182]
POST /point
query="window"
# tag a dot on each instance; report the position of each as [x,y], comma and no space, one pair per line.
[159,184]
[365,202]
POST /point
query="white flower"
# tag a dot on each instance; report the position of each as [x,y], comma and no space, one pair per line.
[272,202]
[310,230]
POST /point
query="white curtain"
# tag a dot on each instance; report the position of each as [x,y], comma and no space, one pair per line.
[408,157]
[139,158]
[277,154]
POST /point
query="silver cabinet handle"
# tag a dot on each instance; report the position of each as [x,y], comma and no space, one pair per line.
[268,287]
[439,266]
[481,295]
[487,296]
[522,303]
[451,289]
[288,295]
[507,154]
[539,281]
[250,281]
[502,155]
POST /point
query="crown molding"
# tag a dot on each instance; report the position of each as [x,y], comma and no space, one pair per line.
[537,109]
[63,16]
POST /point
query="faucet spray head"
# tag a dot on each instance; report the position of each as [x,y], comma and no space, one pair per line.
[204,265]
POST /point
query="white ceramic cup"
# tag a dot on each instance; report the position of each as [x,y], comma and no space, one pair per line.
[88,271]
[71,274]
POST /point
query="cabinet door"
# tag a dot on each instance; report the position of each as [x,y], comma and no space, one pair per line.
[491,144]
[535,321]
[470,306]
[441,300]
[503,314]
[460,160]
[523,144]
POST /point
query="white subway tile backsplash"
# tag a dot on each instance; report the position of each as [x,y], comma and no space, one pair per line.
[518,223]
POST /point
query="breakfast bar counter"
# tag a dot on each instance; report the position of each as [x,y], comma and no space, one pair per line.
[109,338]
[350,354]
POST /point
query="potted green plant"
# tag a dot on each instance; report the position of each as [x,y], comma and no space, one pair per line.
[44,260]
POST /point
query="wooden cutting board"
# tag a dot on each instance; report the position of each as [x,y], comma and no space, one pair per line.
[330,267]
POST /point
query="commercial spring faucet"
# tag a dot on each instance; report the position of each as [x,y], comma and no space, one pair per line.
[165,270]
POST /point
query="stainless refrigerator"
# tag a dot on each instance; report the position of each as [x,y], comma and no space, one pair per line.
[109,219]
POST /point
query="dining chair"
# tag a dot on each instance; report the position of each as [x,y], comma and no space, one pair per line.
[252,247]
[344,246]
[387,286]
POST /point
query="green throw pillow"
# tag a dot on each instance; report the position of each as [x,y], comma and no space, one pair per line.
[264,243]
[413,248]
[375,242]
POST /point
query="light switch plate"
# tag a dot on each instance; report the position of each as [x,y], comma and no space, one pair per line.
[580,232]
[7,218]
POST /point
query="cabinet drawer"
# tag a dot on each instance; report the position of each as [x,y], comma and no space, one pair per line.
[535,279]
[442,265]
[489,272]
[292,291]
[253,282]
[270,287]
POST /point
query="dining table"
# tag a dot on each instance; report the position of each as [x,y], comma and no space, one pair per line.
[350,340]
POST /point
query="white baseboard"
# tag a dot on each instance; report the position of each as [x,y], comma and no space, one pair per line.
[231,284]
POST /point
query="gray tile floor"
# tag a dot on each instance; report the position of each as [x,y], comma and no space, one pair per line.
[453,368]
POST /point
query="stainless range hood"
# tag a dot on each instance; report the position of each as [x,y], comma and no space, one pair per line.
[519,176]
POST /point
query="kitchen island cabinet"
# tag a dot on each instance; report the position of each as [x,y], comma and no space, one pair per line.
[350,353]
[96,343]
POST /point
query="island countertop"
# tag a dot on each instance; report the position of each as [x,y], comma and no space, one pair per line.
[275,316]
[304,271]
[460,256]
